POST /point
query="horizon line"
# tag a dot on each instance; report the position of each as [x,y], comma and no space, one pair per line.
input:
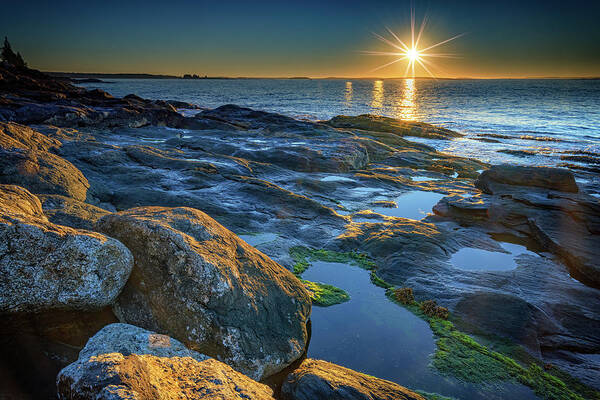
[143,75]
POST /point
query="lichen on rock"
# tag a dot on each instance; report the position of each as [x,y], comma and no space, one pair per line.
[198,282]
[51,267]
[126,362]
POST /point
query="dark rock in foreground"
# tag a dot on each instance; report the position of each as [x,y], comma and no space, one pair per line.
[200,283]
[35,347]
[51,267]
[321,380]
[126,362]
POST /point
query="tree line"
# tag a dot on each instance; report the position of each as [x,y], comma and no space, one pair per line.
[8,55]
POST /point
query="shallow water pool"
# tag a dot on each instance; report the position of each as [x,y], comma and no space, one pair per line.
[336,178]
[413,205]
[258,238]
[472,259]
[372,335]
[423,178]
[368,333]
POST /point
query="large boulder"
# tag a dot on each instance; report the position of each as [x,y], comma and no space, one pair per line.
[25,160]
[126,362]
[198,282]
[545,177]
[52,267]
[321,380]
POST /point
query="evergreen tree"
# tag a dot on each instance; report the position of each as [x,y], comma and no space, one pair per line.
[9,55]
[20,62]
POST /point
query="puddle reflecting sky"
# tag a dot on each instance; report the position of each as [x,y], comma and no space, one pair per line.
[472,259]
[369,333]
[258,239]
[372,335]
[414,205]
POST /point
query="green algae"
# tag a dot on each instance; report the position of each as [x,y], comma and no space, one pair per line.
[457,353]
[433,396]
[460,356]
[324,295]
[302,257]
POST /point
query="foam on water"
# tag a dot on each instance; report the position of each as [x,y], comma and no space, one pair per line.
[423,178]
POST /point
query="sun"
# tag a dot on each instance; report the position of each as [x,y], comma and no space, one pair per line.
[413,54]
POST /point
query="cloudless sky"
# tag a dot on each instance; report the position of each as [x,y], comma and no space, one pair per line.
[304,38]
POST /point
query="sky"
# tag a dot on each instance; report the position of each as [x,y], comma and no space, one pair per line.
[304,38]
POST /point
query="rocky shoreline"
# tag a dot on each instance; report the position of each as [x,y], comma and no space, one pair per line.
[124,276]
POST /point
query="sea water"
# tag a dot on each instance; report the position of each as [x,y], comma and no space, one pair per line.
[543,116]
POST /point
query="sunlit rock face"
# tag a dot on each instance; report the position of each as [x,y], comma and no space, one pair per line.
[126,362]
[320,380]
[25,160]
[51,267]
[195,280]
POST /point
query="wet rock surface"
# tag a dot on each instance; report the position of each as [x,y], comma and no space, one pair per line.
[316,380]
[198,282]
[378,123]
[123,362]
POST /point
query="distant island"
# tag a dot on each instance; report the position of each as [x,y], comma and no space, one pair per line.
[101,75]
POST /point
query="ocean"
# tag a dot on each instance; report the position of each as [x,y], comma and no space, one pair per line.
[520,121]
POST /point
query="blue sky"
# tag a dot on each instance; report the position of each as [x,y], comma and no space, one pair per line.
[307,38]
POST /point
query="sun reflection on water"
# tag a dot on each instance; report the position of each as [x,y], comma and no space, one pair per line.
[407,108]
[377,101]
[348,95]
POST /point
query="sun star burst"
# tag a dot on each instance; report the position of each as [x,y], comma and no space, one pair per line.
[413,54]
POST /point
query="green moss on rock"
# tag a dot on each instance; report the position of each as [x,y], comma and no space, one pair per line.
[325,295]
[460,356]
[303,256]
[433,396]
[457,354]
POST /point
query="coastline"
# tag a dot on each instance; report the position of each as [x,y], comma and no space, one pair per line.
[166,76]
[256,172]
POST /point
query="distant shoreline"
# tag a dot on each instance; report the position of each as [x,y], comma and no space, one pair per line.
[85,75]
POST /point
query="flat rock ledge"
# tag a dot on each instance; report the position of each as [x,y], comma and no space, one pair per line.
[544,177]
[126,362]
[321,380]
[198,282]
[52,267]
